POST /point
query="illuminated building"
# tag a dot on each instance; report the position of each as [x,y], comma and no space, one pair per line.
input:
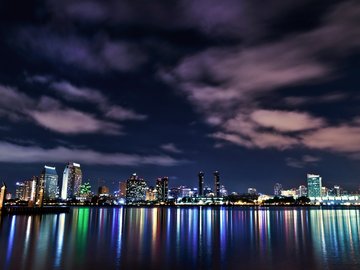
[122,190]
[277,189]
[2,195]
[217,183]
[201,184]
[223,191]
[314,186]
[135,189]
[151,194]
[186,192]
[85,191]
[162,188]
[103,191]
[289,193]
[175,193]
[72,179]
[252,191]
[26,191]
[302,191]
[48,181]
[208,192]
[20,191]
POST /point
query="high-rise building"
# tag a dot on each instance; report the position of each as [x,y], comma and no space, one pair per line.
[151,194]
[337,191]
[2,195]
[26,191]
[277,189]
[201,184]
[302,191]
[103,191]
[252,191]
[48,181]
[135,189]
[20,191]
[162,188]
[122,190]
[314,185]
[72,179]
[217,183]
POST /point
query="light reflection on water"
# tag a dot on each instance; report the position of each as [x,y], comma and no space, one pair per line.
[163,238]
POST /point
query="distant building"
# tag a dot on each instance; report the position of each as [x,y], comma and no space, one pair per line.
[314,185]
[72,179]
[302,191]
[175,193]
[208,192]
[135,189]
[162,188]
[217,183]
[201,184]
[103,191]
[122,190]
[289,192]
[26,191]
[277,189]
[337,191]
[252,191]
[223,191]
[151,194]
[186,192]
[20,191]
[48,181]
[324,192]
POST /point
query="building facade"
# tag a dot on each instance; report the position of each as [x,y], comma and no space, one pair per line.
[72,180]
[135,189]
[314,186]
[201,184]
[48,182]
[162,188]
[217,184]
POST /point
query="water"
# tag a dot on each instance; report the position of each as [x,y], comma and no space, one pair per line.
[178,238]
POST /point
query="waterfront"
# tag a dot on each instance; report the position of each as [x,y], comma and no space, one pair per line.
[199,237]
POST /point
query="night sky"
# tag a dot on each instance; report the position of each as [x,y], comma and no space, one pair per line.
[263,91]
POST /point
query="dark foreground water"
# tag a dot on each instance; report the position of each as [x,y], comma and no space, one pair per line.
[176,238]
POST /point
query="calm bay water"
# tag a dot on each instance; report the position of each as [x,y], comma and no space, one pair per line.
[175,238]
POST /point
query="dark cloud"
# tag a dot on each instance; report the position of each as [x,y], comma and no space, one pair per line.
[92,54]
[227,85]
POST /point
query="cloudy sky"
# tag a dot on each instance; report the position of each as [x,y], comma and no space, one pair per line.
[262,92]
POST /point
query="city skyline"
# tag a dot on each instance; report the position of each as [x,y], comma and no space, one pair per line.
[69,187]
[263,94]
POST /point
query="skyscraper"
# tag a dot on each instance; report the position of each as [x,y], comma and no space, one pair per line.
[135,189]
[217,183]
[302,191]
[49,182]
[314,185]
[201,184]
[162,188]
[277,189]
[72,179]
[122,189]
[2,195]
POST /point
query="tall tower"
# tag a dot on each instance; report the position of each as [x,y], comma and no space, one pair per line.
[72,179]
[48,181]
[135,189]
[162,188]
[201,184]
[277,189]
[2,195]
[217,183]
[314,185]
